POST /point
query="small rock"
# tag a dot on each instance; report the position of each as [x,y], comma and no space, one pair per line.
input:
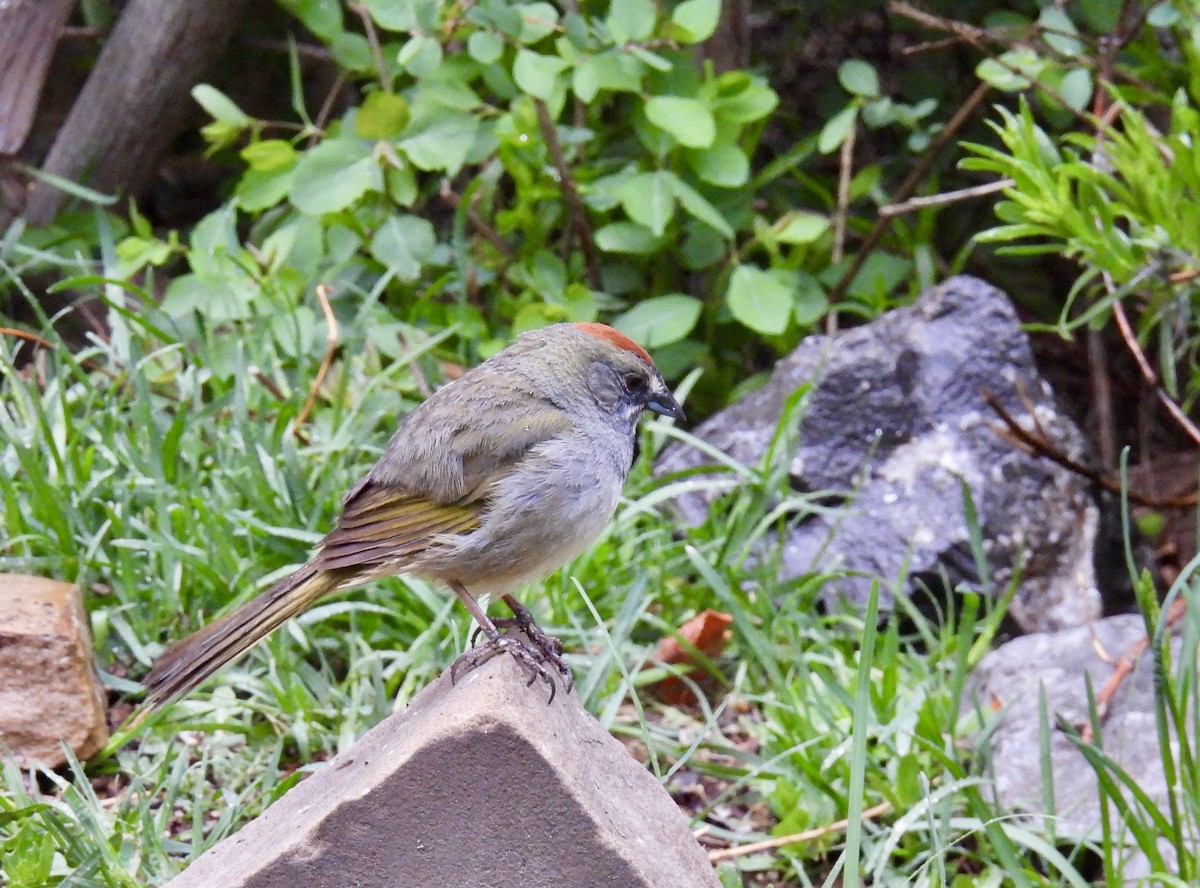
[477,785]
[49,690]
[1008,681]
[894,428]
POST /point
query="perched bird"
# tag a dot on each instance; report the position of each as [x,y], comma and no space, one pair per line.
[500,477]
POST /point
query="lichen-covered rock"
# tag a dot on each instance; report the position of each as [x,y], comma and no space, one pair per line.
[49,690]
[1008,682]
[896,425]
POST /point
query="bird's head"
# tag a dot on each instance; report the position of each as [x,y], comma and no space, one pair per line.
[613,369]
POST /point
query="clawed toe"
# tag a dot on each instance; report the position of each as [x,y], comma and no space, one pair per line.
[519,649]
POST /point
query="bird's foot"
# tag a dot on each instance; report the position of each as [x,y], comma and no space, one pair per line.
[549,648]
[521,650]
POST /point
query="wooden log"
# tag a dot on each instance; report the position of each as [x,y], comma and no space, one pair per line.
[28,35]
[137,97]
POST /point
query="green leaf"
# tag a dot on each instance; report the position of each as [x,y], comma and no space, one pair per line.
[649,198]
[382,115]
[353,52]
[537,74]
[333,175]
[812,303]
[759,299]
[660,320]
[322,17]
[802,228]
[1014,71]
[698,206]
[688,120]
[485,47]
[1076,88]
[220,107]
[698,18]
[627,237]
[404,243]
[611,70]
[420,55]
[538,20]
[1060,32]
[837,129]
[753,101]
[859,78]
[725,166]
[441,141]
[880,273]
[630,20]
[405,15]
[259,189]
[269,154]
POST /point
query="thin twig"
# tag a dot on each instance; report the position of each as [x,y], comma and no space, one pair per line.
[1102,397]
[267,382]
[385,79]
[909,185]
[842,212]
[1148,374]
[414,368]
[945,198]
[961,30]
[331,339]
[323,115]
[575,210]
[452,197]
[1124,665]
[1035,443]
[28,337]
[47,345]
[807,836]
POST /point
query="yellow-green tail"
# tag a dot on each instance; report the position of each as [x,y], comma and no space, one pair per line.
[183,666]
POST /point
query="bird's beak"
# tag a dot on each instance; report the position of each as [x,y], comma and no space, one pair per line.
[662,402]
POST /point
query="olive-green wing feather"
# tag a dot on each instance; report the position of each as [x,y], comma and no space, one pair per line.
[385,527]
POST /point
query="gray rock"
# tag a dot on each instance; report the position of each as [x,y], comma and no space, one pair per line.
[49,690]
[1008,681]
[473,785]
[895,425]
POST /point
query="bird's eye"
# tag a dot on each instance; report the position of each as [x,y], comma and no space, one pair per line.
[635,383]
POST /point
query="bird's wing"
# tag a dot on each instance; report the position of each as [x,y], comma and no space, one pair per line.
[381,525]
[388,518]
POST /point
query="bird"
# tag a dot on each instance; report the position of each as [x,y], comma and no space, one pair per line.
[498,478]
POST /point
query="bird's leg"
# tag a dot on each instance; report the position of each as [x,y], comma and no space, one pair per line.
[548,646]
[549,649]
[496,643]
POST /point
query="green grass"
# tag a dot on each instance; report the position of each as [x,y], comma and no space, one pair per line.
[160,474]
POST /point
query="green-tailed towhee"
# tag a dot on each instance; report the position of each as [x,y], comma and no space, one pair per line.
[498,478]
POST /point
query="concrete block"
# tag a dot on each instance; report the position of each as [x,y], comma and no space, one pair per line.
[476,785]
[49,690]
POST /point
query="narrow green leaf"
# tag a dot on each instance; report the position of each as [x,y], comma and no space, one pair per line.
[219,106]
[698,206]
[837,129]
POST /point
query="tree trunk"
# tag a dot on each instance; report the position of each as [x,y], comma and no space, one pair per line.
[28,35]
[135,100]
